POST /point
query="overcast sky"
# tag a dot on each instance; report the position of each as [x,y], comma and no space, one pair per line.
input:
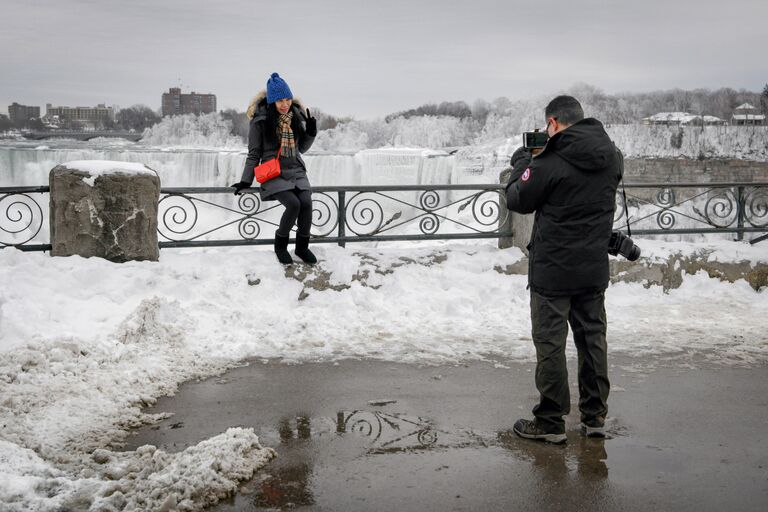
[370,58]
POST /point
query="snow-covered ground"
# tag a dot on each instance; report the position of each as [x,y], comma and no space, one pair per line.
[85,343]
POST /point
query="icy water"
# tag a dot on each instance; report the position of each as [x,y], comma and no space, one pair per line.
[365,435]
[27,163]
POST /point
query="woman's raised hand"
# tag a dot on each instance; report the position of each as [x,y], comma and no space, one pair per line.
[311,125]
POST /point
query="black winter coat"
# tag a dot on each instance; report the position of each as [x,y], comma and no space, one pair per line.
[262,149]
[571,185]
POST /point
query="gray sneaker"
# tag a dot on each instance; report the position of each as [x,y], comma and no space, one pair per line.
[594,427]
[530,430]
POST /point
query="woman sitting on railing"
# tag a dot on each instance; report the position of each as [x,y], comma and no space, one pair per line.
[281,129]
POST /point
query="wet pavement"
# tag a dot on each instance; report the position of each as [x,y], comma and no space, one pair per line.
[367,435]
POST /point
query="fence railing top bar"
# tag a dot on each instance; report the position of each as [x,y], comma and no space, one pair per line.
[341,188]
[24,190]
[392,188]
[699,185]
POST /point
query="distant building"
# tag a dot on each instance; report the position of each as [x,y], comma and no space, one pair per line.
[88,115]
[682,119]
[18,112]
[175,103]
[746,114]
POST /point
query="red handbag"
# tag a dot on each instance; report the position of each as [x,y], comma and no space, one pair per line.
[268,170]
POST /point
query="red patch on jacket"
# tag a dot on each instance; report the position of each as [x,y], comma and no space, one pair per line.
[526,174]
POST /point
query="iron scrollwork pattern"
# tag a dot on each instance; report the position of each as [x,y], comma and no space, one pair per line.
[21,219]
[430,211]
[249,227]
[429,200]
[756,207]
[665,199]
[180,217]
[366,212]
[487,211]
[721,208]
[177,214]
[390,432]
[695,208]
[325,214]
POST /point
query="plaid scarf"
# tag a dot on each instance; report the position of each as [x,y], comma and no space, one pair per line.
[285,134]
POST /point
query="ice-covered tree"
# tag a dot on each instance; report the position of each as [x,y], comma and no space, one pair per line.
[206,130]
[137,117]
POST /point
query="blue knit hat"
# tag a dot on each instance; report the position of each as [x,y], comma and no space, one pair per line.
[277,89]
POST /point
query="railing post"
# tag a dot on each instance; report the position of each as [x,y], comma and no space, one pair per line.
[740,213]
[342,218]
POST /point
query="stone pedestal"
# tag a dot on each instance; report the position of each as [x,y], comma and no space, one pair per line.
[104,209]
[521,226]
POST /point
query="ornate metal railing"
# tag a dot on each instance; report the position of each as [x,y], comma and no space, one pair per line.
[690,208]
[340,214]
[23,216]
[199,217]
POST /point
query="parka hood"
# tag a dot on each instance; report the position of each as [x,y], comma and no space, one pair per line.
[257,109]
[585,145]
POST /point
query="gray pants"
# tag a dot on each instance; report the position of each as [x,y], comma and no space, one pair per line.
[550,316]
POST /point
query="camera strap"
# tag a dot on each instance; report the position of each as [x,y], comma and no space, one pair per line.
[626,211]
[620,156]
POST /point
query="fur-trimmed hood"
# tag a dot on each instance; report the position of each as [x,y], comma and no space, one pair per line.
[258,106]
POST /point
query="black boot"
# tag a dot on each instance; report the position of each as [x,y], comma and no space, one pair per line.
[302,249]
[281,249]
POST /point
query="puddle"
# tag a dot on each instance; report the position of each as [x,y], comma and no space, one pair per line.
[446,444]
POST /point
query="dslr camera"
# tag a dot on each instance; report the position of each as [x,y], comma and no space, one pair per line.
[535,139]
[622,244]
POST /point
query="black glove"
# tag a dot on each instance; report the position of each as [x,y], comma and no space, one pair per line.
[521,153]
[239,186]
[311,125]
[520,161]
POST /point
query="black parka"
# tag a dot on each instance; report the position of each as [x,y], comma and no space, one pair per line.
[571,185]
[262,149]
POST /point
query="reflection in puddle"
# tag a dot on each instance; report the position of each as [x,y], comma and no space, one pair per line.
[352,436]
[388,432]
[289,479]
[582,457]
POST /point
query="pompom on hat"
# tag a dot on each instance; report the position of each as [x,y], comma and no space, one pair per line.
[277,89]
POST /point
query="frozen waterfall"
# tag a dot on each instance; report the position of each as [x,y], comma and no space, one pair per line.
[28,164]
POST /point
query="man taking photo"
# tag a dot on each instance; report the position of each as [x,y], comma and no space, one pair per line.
[571,185]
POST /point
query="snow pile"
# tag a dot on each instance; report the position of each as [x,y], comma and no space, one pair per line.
[193,131]
[97,168]
[145,479]
[67,397]
[86,343]
[101,167]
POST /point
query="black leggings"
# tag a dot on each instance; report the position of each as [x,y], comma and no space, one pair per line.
[298,207]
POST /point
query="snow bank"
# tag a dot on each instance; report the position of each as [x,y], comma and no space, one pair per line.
[145,479]
[86,343]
